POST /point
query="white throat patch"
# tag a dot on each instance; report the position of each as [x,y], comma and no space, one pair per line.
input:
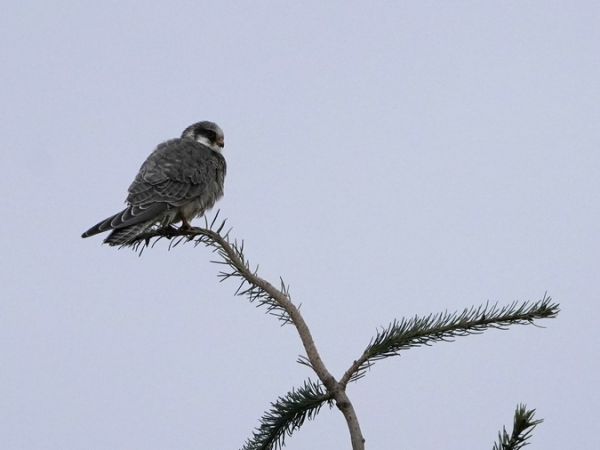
[205,141]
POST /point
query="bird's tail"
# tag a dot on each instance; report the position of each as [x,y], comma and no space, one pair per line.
[124,236]
[127,224]
[100,227]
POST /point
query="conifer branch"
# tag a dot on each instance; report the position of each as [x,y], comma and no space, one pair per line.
[231,252]
[287,414]
[277,302]
[523,426]
[409,333]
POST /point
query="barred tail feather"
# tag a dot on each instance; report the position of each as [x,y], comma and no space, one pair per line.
[130,216]
[124,236]
[101,227]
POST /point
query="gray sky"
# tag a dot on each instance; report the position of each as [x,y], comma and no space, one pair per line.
[386,158]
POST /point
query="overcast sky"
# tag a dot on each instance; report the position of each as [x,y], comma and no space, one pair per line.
[386,158]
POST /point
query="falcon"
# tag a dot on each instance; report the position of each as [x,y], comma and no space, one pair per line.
[180,180]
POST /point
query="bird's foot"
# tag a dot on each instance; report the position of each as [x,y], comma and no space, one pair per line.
[169,231]
[187,228]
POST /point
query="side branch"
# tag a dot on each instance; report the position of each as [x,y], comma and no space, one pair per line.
[523,426]
[408,333]
[286,415]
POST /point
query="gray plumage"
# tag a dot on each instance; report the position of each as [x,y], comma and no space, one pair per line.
[180,180]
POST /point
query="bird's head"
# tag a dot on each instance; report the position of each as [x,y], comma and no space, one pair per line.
[206,133]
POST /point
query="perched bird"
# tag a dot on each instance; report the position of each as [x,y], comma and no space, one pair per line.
[180,180]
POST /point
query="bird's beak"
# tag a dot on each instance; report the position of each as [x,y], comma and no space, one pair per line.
[221,142]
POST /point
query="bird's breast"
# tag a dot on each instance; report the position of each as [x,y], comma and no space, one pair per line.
[197,206]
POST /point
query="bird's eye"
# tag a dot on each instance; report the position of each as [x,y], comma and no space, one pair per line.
[211,135]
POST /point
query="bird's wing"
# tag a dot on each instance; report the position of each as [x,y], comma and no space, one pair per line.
[176,172]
